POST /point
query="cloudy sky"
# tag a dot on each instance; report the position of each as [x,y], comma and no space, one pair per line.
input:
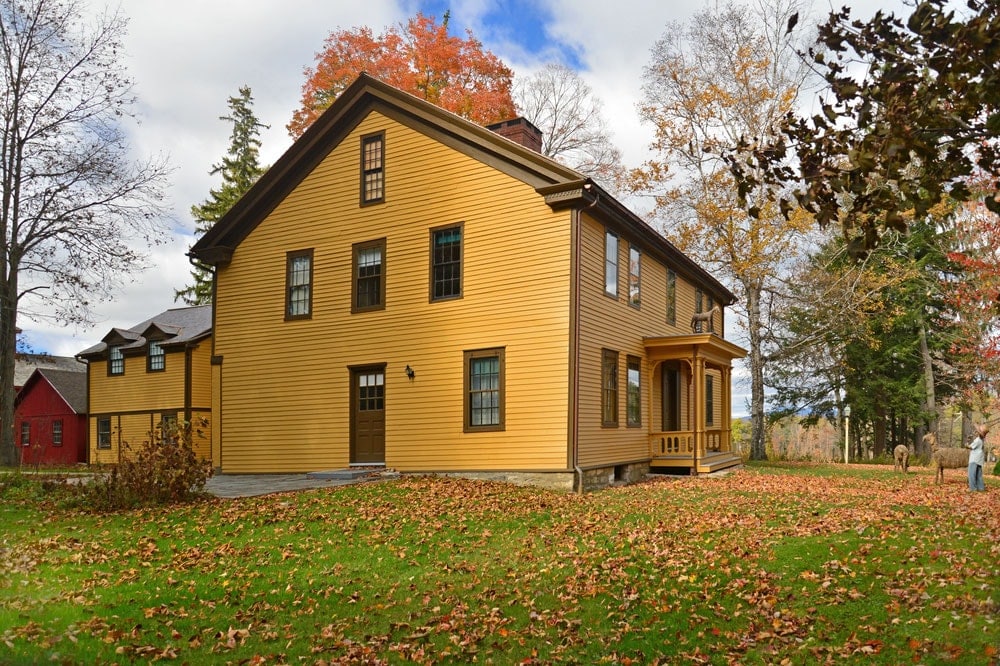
[189,56]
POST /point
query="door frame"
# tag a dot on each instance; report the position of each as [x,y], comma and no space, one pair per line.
[353,372]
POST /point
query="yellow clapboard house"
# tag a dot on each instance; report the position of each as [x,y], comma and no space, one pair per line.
[156,372]
[409,289]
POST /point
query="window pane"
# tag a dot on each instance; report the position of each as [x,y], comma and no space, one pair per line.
[116,362]
[634,392]
[633,276]
[484,397]
[299,284]
[57,433]
[447,263]
[25,433]
[156,357]
[369,277]
[372,173]
[611,264]
[671,298]
[609,392]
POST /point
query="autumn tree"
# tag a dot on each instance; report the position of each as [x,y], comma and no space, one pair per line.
[240,168]
[972,294]
[728,73]
[910,110]
[77,209]
[420,58]
[873,332]
[559,102]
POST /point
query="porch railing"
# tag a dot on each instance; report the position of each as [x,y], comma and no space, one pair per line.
[681,443]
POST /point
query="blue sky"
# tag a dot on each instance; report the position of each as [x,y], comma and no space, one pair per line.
[189,56]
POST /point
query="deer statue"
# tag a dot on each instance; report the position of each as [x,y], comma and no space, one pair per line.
[709,316]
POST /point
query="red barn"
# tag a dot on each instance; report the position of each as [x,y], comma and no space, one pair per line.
[50,417]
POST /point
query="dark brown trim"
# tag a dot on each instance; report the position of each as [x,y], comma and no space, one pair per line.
[149,357]
[461,262]
[628,285]
[608,355]
[379,243]
[605,209]
[120,351]
[500,353]
[629,359]
[362,97]
[216,358]
[290,257]
[365,140]
[608,233]
[573,357]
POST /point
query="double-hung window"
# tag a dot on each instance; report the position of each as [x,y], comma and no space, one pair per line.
[609,388]
[104,433]
[57,432]
[610,264]
[634,263]
[446,263]
[369,276]
[484,390]
[116,362]
[298,284]
[634,391]
[155,358]
[671,298]
[25,433]
[373,169]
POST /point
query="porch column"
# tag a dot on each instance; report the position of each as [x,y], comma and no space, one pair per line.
[699,410]
[727,408]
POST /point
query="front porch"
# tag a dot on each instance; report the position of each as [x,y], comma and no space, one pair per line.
[685,450]
[691,380]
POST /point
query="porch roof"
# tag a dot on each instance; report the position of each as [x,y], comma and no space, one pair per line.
[703,345]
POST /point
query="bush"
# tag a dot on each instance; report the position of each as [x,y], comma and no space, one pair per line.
[164,470]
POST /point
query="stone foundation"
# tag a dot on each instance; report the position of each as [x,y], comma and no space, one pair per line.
[614,475]
[593,479]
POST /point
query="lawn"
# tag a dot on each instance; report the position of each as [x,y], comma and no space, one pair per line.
[797,564]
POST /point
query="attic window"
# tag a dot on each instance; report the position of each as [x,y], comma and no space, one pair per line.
[372,168]
[116,362]
[298,285]
[156,359]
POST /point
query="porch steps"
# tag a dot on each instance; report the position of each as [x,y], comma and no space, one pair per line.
[713,461]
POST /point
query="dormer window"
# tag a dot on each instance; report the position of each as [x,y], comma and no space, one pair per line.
[116,362]
[155,359]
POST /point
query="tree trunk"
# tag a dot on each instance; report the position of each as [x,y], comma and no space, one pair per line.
[8,347]
[758,446]
[930,403]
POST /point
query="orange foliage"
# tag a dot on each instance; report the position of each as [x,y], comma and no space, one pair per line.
[420,58]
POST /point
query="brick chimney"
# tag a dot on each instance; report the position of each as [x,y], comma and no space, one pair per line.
[519,130]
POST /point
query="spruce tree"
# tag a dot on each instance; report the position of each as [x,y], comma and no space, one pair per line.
[240,168]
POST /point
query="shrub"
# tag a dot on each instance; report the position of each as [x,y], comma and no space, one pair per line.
[164,470]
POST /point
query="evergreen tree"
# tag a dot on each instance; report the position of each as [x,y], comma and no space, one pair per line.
[240,169]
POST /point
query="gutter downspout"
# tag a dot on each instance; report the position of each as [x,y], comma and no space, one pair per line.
[575,354]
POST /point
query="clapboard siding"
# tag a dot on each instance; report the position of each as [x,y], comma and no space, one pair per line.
[137,400]
[285,386]
[612,323]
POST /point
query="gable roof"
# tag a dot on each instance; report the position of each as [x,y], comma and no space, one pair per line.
[560,186]
[179,326]
[71,385]
[26,364]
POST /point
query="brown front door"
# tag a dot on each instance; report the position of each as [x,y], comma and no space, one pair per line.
[368,415]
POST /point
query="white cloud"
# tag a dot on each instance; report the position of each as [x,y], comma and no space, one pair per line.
[189,56]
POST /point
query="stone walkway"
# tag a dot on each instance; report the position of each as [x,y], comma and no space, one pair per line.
[253,485]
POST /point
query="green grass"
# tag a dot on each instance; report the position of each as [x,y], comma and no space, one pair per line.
[777,563]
